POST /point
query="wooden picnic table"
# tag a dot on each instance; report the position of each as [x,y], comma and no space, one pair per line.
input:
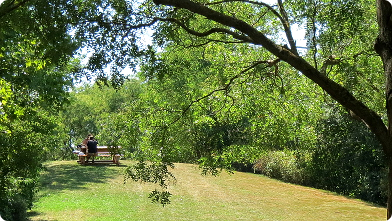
[103,151]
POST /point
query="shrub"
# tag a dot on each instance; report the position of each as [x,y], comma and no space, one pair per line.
[17,197]
[282,165]
[348,160]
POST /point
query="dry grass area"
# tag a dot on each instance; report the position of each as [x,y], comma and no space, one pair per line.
[73,192]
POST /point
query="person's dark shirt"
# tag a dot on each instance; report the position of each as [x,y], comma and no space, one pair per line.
[92,146]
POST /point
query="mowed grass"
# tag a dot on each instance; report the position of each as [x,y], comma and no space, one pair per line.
[73,192]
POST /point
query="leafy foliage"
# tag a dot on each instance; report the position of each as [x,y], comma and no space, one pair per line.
[153,173]
[216,87]
[348,160]
[36,72]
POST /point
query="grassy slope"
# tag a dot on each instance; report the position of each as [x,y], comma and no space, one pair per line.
[73,192]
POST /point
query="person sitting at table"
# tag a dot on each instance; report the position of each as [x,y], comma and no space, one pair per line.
[83,147]
[92,149]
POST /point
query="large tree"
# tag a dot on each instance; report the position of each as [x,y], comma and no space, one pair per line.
[35,76]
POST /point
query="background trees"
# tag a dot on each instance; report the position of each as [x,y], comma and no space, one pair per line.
[287,129]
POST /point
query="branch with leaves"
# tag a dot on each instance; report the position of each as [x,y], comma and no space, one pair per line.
[335,90]
[235,35]
[9,6]
[226,87]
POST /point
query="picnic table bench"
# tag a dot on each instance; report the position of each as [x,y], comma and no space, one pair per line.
[103,151]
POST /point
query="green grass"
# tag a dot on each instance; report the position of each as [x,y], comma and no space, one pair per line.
[73,192]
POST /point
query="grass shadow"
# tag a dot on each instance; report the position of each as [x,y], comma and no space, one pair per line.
[59,176]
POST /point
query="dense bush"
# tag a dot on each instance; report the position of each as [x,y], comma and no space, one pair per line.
[282,165]
[22,151]
[347,160]
[19,169]
[17,198]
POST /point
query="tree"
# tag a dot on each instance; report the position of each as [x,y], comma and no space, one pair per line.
[269,117]
[200,23]
[110,114]
[290,55]
[36,72]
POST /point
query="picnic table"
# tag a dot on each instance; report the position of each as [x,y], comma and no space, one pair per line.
[111,152]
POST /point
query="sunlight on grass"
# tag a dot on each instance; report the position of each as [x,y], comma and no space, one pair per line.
[74,192]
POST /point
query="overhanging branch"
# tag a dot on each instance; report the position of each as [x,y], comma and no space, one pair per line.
[287,29]
[335,90]
[209,32]
[212,41]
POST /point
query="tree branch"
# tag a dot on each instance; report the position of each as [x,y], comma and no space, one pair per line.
[211,41]
[287,29]
[336,91]
[235,35]
[141,25]
[329,62]
[314,42]
[209,32]
[11,7]
[226,87]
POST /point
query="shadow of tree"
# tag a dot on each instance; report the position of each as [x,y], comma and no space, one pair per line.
[66,175]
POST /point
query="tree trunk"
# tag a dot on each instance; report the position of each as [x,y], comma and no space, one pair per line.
[383,47]
[389,202]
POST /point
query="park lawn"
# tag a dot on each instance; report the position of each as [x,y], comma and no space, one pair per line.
[73,192]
